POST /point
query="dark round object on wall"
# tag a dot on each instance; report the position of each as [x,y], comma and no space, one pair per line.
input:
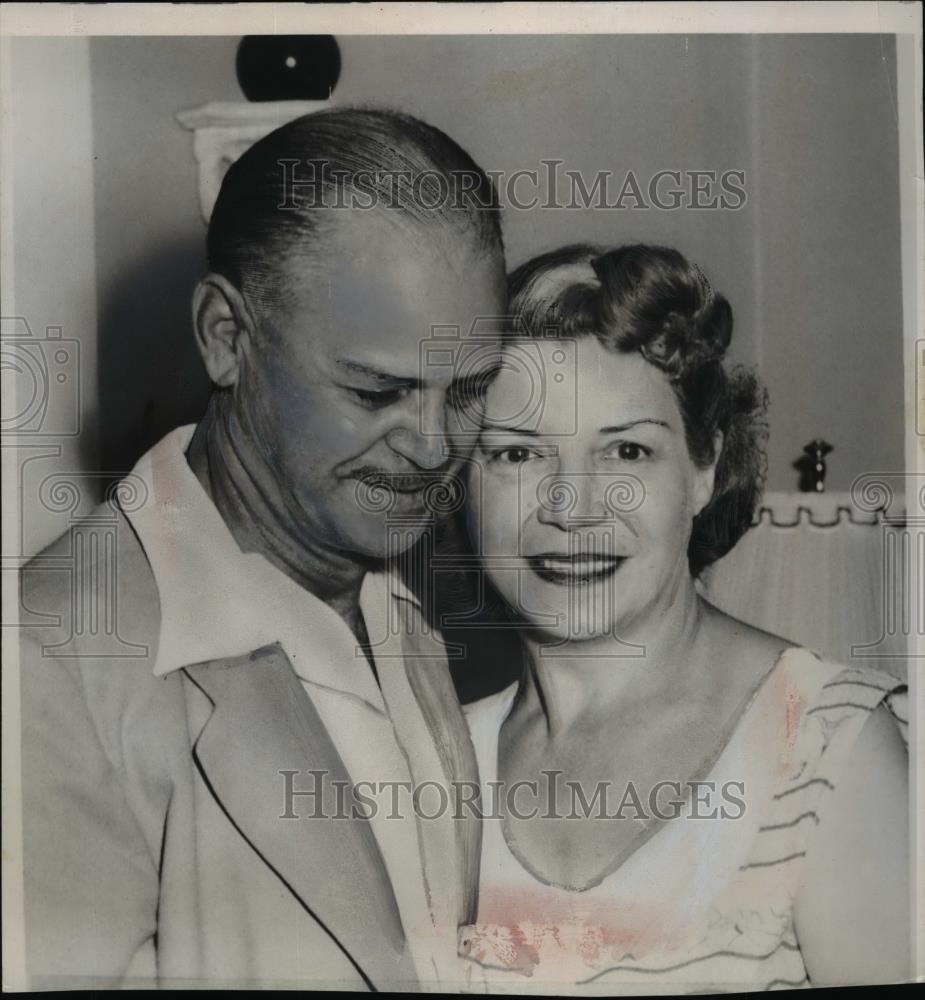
[288,67]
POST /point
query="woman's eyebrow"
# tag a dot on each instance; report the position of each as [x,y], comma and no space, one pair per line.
[619,428]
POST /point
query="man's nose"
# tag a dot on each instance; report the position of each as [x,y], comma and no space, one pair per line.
[572,501]
[421,438]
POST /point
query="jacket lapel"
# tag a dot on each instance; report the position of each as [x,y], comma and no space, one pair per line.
[263,722]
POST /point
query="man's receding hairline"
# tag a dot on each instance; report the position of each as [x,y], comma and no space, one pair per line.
[311,251]
[434,230]
[454,243]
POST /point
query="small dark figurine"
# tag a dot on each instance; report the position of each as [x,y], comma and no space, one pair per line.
[288,67]
[811,466]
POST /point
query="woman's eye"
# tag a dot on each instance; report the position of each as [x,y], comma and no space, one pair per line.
[512,456]
[629,451]
[376,399]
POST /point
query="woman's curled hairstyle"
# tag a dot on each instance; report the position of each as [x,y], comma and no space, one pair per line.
[651,300]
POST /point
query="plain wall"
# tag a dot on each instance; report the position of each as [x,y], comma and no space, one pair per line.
[810,263]
[50,285]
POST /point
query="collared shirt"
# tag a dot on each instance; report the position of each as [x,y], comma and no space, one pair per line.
[217,602]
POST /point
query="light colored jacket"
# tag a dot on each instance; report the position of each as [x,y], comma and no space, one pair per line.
[154,847]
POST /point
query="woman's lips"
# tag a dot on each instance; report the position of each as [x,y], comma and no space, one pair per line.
[565,569]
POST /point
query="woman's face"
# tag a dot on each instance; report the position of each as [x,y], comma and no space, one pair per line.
[582,491]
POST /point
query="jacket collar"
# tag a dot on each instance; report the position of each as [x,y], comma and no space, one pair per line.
[218,602]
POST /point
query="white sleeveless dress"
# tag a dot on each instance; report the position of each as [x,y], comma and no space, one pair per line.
[705,905]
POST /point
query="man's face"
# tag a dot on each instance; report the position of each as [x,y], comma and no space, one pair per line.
[339,395]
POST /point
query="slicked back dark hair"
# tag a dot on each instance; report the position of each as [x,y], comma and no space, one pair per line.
[269,210]
[652,301]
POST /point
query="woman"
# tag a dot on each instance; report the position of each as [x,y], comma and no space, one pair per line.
[675,801]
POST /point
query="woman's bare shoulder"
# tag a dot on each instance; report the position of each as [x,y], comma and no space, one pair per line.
[741,644]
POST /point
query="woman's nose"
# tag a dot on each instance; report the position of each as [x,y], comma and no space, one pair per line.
[572,501]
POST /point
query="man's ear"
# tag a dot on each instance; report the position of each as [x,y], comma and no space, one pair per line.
[705,478]
[222,322]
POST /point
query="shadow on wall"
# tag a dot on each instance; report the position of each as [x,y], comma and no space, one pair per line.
[151,378]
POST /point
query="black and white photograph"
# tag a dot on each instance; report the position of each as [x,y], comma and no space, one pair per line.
[463,477]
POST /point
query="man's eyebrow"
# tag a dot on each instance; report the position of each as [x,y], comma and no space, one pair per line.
[619,428]
[369,371]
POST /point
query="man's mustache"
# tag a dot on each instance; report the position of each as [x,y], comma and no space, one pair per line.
[403,482]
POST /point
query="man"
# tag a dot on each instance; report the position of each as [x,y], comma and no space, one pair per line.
[173,825]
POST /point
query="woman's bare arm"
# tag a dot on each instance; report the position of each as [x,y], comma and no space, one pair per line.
[852,911]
